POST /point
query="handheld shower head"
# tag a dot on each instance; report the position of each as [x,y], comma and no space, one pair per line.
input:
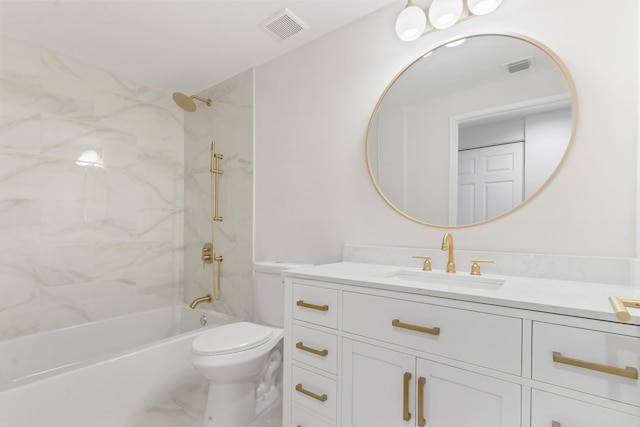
[186,102]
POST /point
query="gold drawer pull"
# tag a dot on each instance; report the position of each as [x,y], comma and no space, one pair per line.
[430,331]
[620,305]
[553,424]
[301,303]
[627,372]
[303,347]
[322,398]
[406,415]
[421,420]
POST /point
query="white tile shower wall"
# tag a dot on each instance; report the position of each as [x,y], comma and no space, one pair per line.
[91,192]
[228,122]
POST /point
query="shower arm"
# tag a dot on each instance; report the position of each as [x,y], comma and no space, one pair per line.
[206,101]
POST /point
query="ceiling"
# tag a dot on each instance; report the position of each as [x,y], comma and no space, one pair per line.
[174,45]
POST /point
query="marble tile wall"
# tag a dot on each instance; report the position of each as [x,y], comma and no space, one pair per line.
[228,122]
[91,193]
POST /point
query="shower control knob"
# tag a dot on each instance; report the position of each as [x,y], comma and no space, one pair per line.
[207,254]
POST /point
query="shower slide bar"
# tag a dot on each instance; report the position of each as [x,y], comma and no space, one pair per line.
[215,173]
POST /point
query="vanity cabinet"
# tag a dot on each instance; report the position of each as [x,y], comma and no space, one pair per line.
[382,387]
[364,356]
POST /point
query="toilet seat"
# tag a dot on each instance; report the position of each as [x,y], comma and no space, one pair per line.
[231,338]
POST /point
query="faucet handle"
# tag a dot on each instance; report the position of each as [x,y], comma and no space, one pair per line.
[426,266]
[475,268]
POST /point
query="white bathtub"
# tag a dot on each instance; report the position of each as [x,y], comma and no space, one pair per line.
[100,373]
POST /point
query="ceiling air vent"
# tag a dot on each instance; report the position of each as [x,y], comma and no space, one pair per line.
[284,24]
[523,64]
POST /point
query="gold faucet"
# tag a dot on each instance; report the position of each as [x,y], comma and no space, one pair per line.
[447,244]
[195,302]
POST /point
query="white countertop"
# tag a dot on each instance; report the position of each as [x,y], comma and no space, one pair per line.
[582,299]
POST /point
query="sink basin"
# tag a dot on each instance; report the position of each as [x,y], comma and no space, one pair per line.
[446,279]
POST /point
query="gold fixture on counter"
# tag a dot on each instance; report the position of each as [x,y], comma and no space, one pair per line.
[301,303]
[431,331]
[195,302]
[421,420]
[620,305]
[301,346]
[406,415]
[627,372]
[475,268]
[447,244]
[426,266]
[322,398]
[555,424]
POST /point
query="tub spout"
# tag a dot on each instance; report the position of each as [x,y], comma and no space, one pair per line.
[195,302]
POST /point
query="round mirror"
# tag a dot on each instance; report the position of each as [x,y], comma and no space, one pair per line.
[471,130]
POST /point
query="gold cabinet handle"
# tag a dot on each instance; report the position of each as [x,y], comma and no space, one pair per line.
[553,424]
[301,303]
[627,372]
[322,398]
[421,420]
[406,415]
[620,305]
[303,347]
[431,331]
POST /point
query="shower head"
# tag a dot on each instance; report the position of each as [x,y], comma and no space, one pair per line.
[186,102]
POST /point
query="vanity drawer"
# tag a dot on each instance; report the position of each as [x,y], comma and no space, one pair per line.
[315,348]
[551,410]
[315,304]
[593,362]
[483,339]
[302,418]
[314,392]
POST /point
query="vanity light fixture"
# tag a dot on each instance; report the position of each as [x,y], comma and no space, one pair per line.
[483,7]
[445,13]
[412,22]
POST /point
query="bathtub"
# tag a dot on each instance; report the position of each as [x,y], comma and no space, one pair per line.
[100,374]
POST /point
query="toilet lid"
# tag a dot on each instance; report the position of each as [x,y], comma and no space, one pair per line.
[231,338]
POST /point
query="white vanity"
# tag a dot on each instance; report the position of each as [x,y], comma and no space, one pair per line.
[379,345]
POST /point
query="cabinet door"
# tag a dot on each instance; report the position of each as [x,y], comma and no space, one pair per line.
[455,397]
[551,410]
[375,386]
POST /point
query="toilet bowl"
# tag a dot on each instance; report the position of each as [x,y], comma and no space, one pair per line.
[243,360]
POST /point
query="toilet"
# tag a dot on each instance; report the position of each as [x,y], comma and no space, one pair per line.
[242,360]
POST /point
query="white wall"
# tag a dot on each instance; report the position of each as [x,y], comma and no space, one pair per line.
[546,142]
[313,193]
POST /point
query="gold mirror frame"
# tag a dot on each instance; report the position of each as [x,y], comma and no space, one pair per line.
[575,109]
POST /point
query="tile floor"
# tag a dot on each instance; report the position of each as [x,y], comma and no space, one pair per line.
[187,410]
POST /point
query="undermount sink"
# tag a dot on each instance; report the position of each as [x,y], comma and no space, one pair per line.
[447,279]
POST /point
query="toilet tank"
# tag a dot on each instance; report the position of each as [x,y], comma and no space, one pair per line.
[269,291]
